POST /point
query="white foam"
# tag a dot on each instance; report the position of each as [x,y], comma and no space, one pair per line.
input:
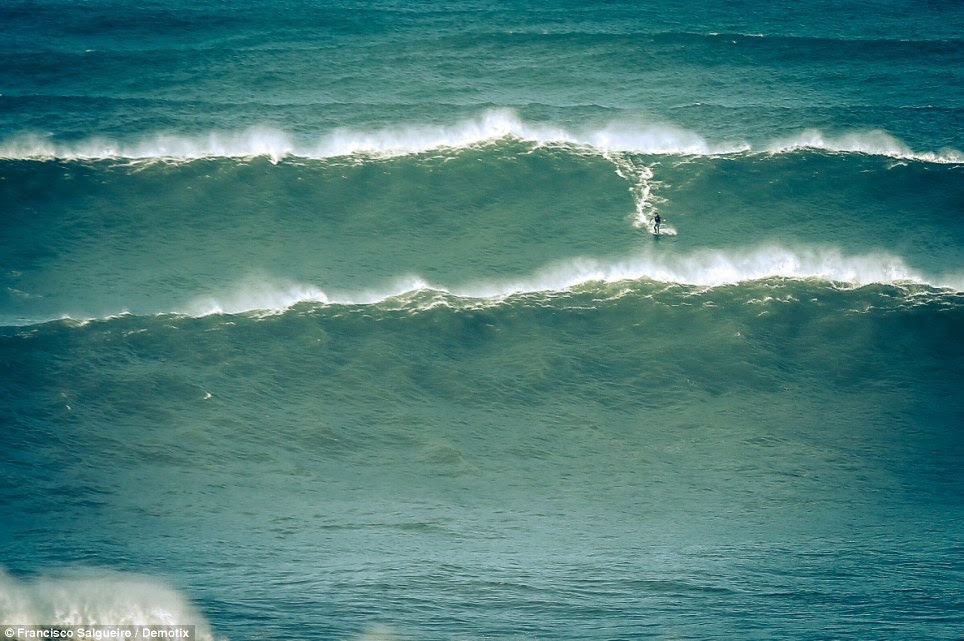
[379,633]
[254,293]
[96,597]
[705,268]
[258,141]
[490,126]
[710,268]
[624,134]
[642,188]
[873,142]
[640,136]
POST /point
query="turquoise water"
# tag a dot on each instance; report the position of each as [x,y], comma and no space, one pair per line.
[339,321]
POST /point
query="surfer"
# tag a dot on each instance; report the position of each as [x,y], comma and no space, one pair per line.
[656,222]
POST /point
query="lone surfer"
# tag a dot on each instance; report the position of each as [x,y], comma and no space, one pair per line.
[656,221]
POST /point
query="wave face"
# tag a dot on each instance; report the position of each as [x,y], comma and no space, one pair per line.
[342,321]
[237,235]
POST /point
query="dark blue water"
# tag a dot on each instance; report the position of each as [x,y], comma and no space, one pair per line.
[328,320]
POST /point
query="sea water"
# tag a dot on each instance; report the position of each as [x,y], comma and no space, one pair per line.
[346,320]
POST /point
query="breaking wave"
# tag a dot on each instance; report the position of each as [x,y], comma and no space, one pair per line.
[621,135]
[708,268]
[96,597]
[874,142]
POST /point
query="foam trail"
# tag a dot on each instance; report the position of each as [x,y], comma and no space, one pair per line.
[642,186]
[96,597]
[621,135]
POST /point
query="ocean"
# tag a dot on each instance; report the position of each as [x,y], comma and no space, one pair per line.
[327,320]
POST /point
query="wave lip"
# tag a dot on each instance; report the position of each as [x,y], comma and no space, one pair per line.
[716,268]
[258,141]
[707,268]
[620,135]
[255,295]
[873,142]
[491,126]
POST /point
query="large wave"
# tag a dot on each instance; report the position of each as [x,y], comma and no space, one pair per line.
[706,268]
[620,135]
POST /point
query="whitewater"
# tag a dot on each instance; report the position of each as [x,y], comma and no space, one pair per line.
[350,321]
[709,269]
[627,134]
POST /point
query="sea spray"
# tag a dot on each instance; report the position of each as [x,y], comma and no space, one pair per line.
[86,597]
[700,269]
[629,134]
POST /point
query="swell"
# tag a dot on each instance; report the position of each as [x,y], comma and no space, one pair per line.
[187,28]
[89,239]
[711,278]
[824,47]
[699,270]
[618,135]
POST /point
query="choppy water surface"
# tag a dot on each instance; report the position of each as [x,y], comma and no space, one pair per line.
[337,321]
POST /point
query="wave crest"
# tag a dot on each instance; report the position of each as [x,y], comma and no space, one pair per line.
[620,135]
[708,268]
[874,142]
